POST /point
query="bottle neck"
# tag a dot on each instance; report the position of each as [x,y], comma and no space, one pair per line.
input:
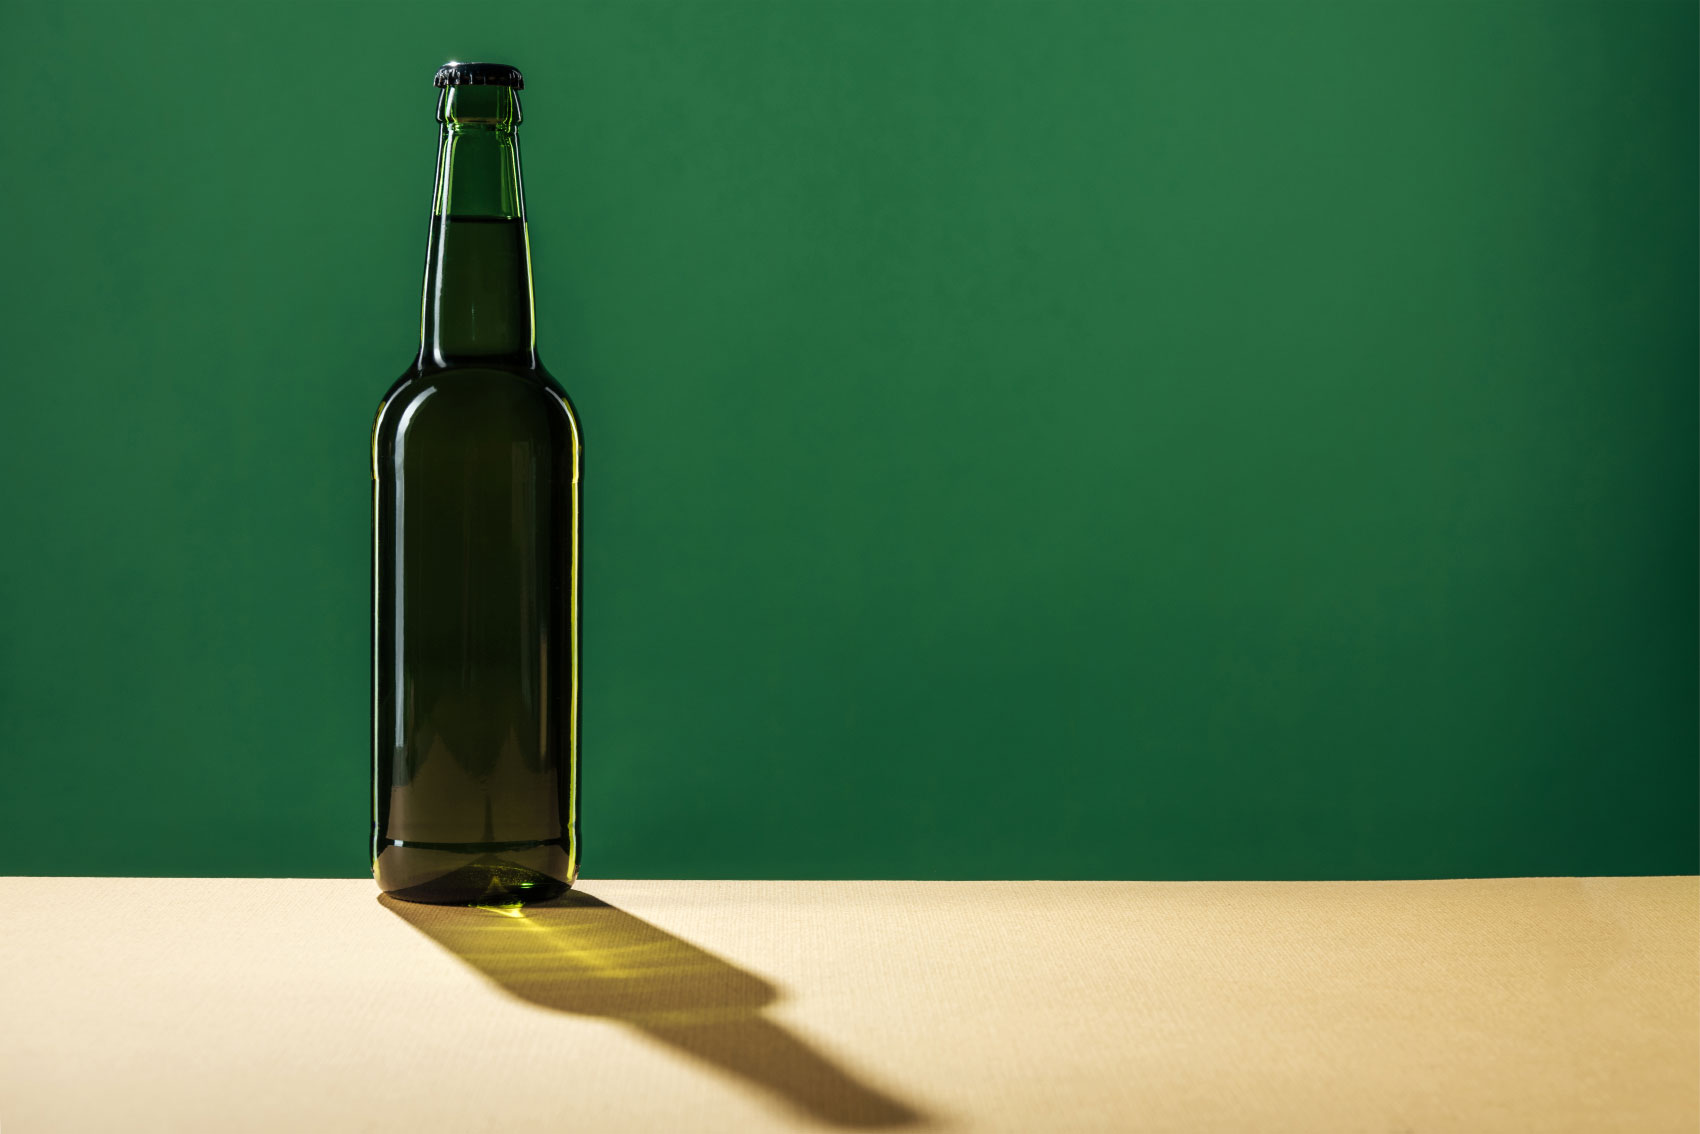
[478,301]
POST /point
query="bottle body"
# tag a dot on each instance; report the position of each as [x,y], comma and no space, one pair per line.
[476,581]
[476,461]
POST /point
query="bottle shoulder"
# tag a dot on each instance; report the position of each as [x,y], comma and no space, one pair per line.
[476,391]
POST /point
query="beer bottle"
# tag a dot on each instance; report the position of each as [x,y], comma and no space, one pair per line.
[476,457]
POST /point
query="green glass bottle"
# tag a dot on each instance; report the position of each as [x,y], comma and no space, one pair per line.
[476,457]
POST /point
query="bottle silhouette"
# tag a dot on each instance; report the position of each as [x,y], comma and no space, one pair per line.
[476,458]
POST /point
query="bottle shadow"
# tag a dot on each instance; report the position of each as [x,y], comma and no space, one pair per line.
[579,954]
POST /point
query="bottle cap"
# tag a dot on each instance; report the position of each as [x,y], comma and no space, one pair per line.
[479,75]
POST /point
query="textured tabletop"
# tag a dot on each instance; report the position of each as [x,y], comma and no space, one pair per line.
[239,1004]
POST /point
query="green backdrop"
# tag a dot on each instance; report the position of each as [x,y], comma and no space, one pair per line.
[1024,439]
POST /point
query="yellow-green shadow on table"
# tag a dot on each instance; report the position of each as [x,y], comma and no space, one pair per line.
[581,955]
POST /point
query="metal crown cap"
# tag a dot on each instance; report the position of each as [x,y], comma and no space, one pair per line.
[479,75]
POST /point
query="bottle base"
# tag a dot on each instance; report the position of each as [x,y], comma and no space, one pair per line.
[474,875]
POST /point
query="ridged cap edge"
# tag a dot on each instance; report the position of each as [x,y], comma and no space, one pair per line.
[479,75]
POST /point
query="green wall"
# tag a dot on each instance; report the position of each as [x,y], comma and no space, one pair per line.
[1024,439]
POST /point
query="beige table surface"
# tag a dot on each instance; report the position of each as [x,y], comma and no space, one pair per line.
[1528,1005]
